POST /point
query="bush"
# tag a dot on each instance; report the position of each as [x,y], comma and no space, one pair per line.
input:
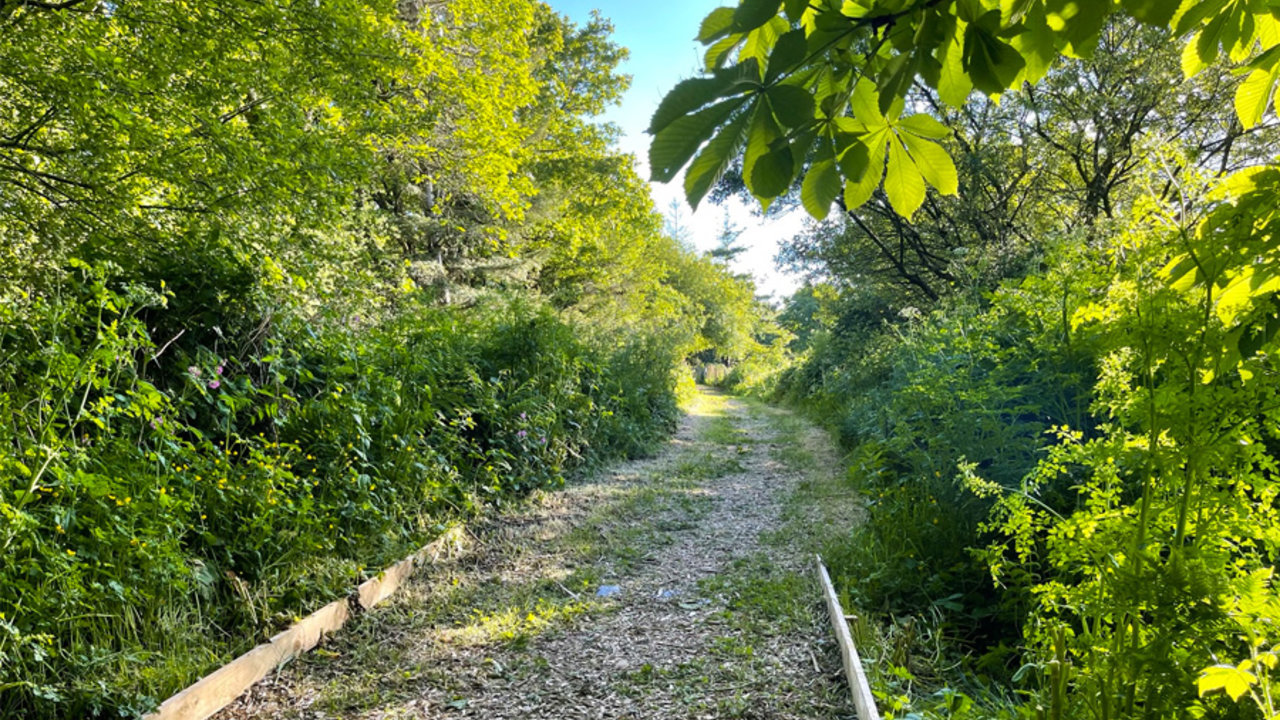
[162,496]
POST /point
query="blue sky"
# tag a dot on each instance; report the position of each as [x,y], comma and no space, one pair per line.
[659,34]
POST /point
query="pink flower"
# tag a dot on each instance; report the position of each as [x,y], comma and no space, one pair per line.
[215,384]
[217,370]
[195,371]
[522,434]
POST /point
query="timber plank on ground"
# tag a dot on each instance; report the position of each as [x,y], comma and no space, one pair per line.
[221,687]
[863,701]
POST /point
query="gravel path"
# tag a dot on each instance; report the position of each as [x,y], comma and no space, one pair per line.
[664,588]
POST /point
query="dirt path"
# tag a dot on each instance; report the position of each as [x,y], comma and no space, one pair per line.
[674,587]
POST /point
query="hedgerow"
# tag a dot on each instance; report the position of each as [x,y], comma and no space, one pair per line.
[170,507]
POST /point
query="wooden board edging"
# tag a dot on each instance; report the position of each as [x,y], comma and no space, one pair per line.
[220,688]
[863,701]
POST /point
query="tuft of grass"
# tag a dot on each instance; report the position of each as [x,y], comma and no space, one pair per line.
[762,597]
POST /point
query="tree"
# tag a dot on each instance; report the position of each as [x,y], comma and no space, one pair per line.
[819,90]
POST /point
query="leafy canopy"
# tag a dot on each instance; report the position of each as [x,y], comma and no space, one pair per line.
[818,91]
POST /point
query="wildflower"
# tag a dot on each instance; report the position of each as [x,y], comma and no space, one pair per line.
[156,422]
[195,371]
[215,384]
[217,370]
[543,440]
[71,553]
[522,434]
[523,416]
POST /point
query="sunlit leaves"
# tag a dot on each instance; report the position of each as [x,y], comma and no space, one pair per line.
[709,166]
[934,163]
[821,186]
[1229,679]
[679,140]
[716,25]
[792,106]
[829,50]
[925,126]
[1254,94]
[954,84]
[1152,12]
[992,64]
[863,167]
[903,182]
[788,52]
[751,14]
[693,94]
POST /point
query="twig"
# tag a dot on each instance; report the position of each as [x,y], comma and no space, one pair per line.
[158,353]
[572,594]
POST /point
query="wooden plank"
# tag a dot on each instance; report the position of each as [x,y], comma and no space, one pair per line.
[219,688]
[375,590]
[863,701]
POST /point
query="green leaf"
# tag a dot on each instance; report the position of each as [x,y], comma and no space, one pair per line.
[1231,680]
[689,95]
[992,64]
[764,131]
[903,182]
[925,126]
[893,83]
[820,188]
[716,25]
[954,85]
[858,188]
[1210,39]
[1191,62]
[792,106]
[1192,13]
[773,172]
[719,52]
[751,14]
[1151,12]
[1078,22]
[794,9]
[787,53]
[854,157]
[707,169]
[677,142]
[1011,11]
[1036,45]
[934,164]
[1254,95]
[865,105]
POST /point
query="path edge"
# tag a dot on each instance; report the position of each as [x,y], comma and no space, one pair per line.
[218,689]
[863,701]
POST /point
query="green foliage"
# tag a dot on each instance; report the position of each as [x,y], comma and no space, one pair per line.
[825,84]
[287,288]
[1087,395]
[1099,439]
[131,504]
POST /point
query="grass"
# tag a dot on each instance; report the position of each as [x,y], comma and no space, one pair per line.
[501,593]
[513,584]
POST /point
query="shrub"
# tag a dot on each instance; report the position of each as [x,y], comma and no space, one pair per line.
[158,497]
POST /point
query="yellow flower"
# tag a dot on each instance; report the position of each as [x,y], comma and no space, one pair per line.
[71,552]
